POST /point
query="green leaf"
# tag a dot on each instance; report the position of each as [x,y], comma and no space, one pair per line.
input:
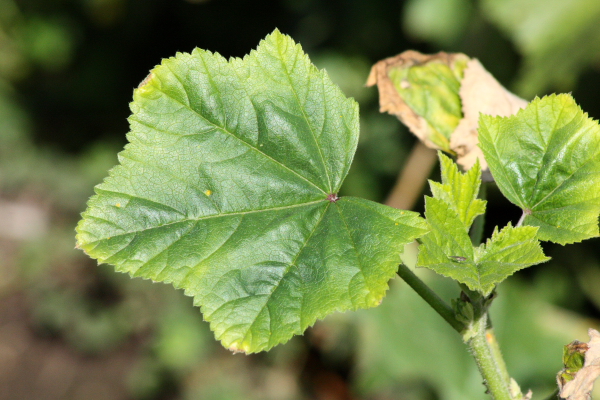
[447,249]
[506,252]
[227,189]
[460,190]
[546,160]
[432,91]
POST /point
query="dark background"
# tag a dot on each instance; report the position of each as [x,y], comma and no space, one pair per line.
[72,330]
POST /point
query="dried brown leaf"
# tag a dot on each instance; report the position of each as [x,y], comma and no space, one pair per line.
[389,99]
[481,93]
[581,386]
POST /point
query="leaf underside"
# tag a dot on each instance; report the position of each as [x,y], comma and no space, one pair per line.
[227,190]
[546,160]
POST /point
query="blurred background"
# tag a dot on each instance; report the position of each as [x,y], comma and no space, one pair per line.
[70,329]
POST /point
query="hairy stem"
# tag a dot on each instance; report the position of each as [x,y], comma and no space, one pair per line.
[497,354]
[439,305]
[495,379]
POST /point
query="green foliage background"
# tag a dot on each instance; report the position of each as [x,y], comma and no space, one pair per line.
[72,330]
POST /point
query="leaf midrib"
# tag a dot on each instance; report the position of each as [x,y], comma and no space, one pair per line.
[287,74]
[224,130]
[210,217]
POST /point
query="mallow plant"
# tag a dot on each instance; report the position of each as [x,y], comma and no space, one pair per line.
[228,189]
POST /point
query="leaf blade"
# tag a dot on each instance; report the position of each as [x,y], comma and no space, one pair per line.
[226,190]
[551,168]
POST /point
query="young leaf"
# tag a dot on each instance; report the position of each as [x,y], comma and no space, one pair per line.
[460,190]
[447,248]
[506,252]
[546,160]
[227,189]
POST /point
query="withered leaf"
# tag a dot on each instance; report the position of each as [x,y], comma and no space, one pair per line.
[481,93]
[422,91]
[581,385]
[439,97]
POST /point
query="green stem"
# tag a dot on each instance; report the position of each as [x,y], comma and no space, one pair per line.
[497,354]
[487,363]
[521,219]
[439,305]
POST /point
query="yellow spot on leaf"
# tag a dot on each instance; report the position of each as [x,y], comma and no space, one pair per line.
[208,192]
[118,205]
[396,223]
[237,348]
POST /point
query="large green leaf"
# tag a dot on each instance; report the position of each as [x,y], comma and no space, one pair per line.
[546,160]
[447,248]
[228,190]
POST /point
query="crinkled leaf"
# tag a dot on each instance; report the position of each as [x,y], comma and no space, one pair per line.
[439,97]
[546,160]
[447,249]
[506,252]
[460,190]
[576,380]
[227,190]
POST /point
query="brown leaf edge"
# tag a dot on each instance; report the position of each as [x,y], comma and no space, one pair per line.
[581,386]
[389,99]
[480,93]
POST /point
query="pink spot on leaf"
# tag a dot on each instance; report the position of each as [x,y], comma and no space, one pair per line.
[332,197]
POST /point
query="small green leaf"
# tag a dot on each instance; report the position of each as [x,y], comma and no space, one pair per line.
[447,248]
[546,160]
[228,190]
[506,252]
[432,91]
[460,190]
[448,251]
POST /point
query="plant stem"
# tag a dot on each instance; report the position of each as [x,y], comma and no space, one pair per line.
[413,177]
[482,344]
[521,220]
[494,377]
[497,354]
[439,305]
